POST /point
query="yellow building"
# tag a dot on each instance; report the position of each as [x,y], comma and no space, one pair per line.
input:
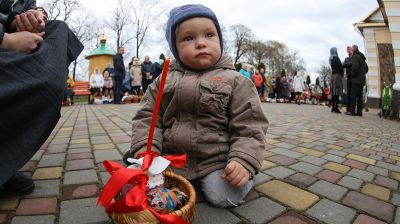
[100,57]
[381,32]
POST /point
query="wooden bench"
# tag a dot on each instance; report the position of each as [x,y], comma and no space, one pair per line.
[82,89]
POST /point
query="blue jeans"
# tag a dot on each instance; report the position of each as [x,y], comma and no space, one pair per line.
[220,193]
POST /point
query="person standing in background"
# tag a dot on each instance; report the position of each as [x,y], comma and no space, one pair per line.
[347,66]
[135,72]
[298,87]
[244,71]
[147,78]
[336,79]
[119,74]
[157,67]
[358,70]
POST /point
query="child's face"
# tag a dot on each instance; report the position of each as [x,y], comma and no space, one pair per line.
[197,43]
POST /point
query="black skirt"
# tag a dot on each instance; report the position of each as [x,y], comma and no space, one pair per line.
[31,92]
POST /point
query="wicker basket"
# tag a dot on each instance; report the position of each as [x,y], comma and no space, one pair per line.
[146,217]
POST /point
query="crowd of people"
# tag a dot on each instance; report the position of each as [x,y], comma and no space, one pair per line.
[294,89]
[116,84]
[284,89]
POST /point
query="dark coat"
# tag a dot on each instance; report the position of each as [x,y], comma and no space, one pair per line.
[146,67]
[119,67]
[358,68]
[156,70]
[336,66]
[347,66]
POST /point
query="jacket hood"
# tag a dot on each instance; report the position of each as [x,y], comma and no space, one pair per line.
[361,55]
[225,62]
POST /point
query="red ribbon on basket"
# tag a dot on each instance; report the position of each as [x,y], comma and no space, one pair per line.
[136,199]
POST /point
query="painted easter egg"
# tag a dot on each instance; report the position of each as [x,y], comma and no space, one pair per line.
[162,200]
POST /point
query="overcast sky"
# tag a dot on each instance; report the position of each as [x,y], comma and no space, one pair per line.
[311,27]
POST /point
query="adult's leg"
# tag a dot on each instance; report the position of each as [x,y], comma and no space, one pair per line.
[348,94]
[356,99]
[220,193]
[32,88]
[118,90]
[359,98]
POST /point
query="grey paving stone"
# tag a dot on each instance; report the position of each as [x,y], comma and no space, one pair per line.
[260,210]
[109,154]
[49,160]
[42,219]
[333,158]
[396,199]
[105,176]
[310,144]
[320,148]
[351,182]
[388,166]
[329,190]
[382,154]
[123,147]
[45,188]
[329,141]
[337,152]
[80,177]
[397,219]
[378,170]
[261,178]
[313,160]
[287,152]
[332,213]
[285,145]
[279,172]
[361,174]
[212,215]
[82,211]
[376,157]
[37,155]
[96,138]
[83,145]
[79,150]
[60,141]
[306,168]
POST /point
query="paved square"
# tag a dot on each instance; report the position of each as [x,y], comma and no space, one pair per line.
[318,167]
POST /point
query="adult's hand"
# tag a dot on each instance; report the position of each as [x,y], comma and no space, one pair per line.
[32,21]
[24,42]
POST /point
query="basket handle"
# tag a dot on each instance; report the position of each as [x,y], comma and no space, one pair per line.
[147,160]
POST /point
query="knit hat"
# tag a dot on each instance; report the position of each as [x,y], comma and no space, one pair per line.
[183,13]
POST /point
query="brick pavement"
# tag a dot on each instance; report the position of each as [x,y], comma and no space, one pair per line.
[319,167]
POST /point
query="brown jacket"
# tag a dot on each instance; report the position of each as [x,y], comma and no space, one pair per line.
[213,116]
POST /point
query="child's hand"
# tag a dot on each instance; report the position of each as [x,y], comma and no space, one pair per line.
[236,174]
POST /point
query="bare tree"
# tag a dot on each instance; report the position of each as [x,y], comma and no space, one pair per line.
[145,14]
[62,10]
[324,72]
[242,36]
[80,21]
[256,52]
[225,38]
[275,56]
[121,20]
[85,28]
[278,57]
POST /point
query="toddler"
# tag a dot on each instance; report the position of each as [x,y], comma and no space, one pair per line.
[208,111]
